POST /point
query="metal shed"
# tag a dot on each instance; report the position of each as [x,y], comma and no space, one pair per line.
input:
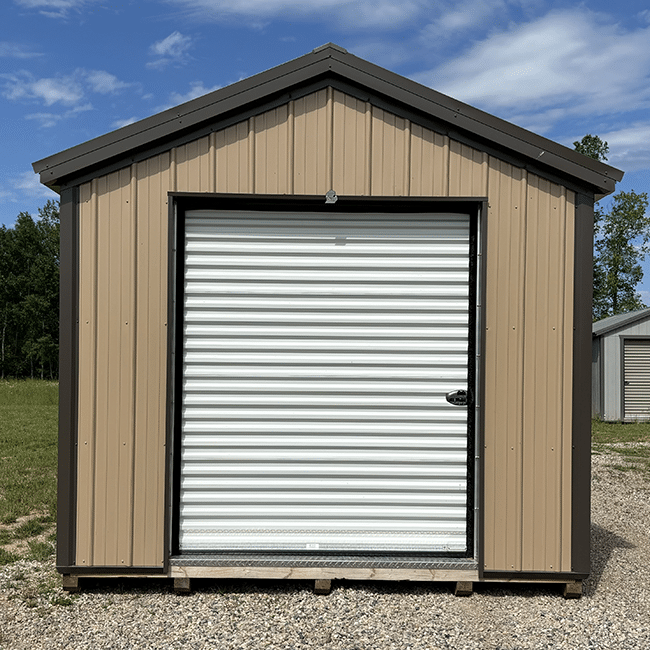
[325,323]
[621,367]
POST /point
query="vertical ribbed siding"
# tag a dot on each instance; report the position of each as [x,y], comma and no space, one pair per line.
[636,375]
[316,143]
[504,366]
[106,442]
[318,351]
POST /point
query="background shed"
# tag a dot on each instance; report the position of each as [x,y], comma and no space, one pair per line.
[270,148]
[621,367]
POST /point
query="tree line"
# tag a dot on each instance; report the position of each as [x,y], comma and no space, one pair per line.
[29,295]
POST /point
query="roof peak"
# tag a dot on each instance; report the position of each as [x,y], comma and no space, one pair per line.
[332,46]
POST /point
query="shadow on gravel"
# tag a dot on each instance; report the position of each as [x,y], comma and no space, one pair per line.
[603,543]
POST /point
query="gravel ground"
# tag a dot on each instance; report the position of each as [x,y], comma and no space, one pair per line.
[614,611]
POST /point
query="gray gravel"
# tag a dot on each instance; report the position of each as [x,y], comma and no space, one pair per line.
[614,611]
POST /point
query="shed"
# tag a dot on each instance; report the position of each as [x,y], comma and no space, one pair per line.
[620,375]
[325,323]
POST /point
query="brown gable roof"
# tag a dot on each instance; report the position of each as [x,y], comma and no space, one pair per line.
[326,65]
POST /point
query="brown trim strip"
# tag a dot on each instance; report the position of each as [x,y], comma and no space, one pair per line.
[539,576]
[109,571]
[480,405]
[68,378]
[581,421]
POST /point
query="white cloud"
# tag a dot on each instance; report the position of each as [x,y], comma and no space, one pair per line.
[175,45]
[57,90]
[16,51]
[347,13]
[48,120]
[461,16]
[67,90]
[173,49]
[104,82]
[53,8]
[29,184]
[629,148]
[571,62]
[197,89]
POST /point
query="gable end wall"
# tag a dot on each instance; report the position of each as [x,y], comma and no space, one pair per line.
[310,145]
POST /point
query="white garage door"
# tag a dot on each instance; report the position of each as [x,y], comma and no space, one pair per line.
[636,386]
[318,350]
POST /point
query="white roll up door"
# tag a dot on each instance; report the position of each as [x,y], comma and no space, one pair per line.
[318,349]
[637,379]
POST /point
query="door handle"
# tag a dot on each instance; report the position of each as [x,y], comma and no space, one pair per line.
[458,397]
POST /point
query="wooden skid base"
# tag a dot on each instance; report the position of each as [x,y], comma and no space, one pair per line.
[322,586]
[322,574]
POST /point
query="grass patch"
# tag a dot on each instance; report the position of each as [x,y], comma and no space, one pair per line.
[6,557]
[28,450]
[40,551]
[630,442]
[30,528]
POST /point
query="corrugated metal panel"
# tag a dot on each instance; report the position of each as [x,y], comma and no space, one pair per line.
[106,338]
[504,366]
[313,150]
[325,141]
[549,258]
[636,386]
[154,178]
[317,353]
[351,142]
[390,154]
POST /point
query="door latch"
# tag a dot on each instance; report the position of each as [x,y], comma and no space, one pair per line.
[458,397]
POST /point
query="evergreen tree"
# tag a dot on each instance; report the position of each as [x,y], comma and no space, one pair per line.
[621,244]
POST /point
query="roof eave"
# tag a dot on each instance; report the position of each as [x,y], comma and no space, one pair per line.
[335,61]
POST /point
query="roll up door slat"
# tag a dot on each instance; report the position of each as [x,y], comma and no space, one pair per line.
[317,353]
[637,379]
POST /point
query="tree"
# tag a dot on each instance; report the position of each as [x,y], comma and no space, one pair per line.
[29,295]
[592,146]
[621,243]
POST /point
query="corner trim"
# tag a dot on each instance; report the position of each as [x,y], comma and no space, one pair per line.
[581,393]
[68,377]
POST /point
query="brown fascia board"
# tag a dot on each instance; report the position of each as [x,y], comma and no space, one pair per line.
[328,60]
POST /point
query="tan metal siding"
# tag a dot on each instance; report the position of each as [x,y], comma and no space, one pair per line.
[351,138]
[193,166]
[323,141]
[106,341]
[429,163]
[312,154]
[390,146]
[504,365]
[153,177]
[272,171]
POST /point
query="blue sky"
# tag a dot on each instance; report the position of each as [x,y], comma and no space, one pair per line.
[71,70]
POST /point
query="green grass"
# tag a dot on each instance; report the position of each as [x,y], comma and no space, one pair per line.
[617,438]
[28,451]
